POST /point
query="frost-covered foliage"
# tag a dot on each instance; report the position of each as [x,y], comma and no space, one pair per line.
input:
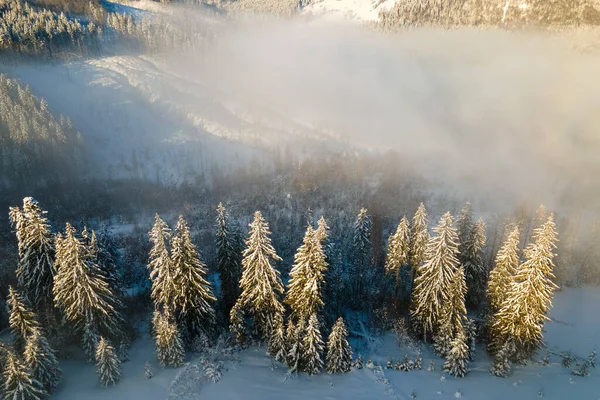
[35,271]
[35,148]
[434,278]
[453,314]
[229,260]
[293,340]
[22,320]
[458,356]
[419,236]
[41,362]
[501,364]
[312,347]
[169,345]
[81,289]
[398,255]
[108,364]
[18,382]
[261,283]
[212,372]
[277,343]
[148,374]
[361,241]
[162,271]
[476,272]
[524,310]
[304,292]
[282,8]
[506,264]
[339,352]
[194,298]
[452,13]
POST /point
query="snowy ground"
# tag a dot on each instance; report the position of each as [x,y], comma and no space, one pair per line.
[252,375]
[349,10]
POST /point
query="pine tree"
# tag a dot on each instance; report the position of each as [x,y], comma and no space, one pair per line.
[339,352]
[454,314]
[162,270]
[419,237]
[458,356]
[237,324]
[293,339]
[322,232]
[107,363]
[506,264]
[41,362]
[475,270]
[229,262]
[304,293]
[523,312]
[148,374]
[89,342]
[81,291]
[501,364]
[398,254]
[260,282]
[35,272]
[464,227]
[434,278]
[193,302]
[362,250]
[22,321]
[312,346]
[169,345]
[277,347]
[18,383]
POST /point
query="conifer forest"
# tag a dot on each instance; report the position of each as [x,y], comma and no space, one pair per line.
[340,199]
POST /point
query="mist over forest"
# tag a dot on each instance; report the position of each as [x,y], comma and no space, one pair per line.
[129,118]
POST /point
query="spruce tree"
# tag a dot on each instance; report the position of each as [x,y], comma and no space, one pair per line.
[148,374]
[89,341]
[454,314]
[261,282]
[18,383]
[35,271]
[81,291]
[419,237]
[41,362]
[312,346]
[464,227]
[304,294]
[501,364]
[475,270]
[458,356]
[293,339]
[398,254]
[506,264]
[339,352]
[107,363]
[169,345]
[277,345]
[524,310]
[229,261]
[237,324]
[193,302]
[22,321]
[362,251]
[432,286]
[162,270]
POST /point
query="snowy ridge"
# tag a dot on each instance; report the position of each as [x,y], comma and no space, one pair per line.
[352,10]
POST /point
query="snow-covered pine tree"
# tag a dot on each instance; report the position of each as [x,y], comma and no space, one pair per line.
[304,294]
[293,340]
[434,278]
[237,324]
[458,356]
[339,352]
[501,364]
[41,362]
[162,273]
[362,252]
[22,321]
[454,314]
[18,383]
[261,283]
[193,303]
[169,345]
[419,237]
[506,264]
[148,374]
[89,342]
[277,345]
[398,254]
[312,347]
[464,227]
[107,363]
[81,291]
[35,271]
[523,312]
[229,260]
[476,272]
[322,232]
